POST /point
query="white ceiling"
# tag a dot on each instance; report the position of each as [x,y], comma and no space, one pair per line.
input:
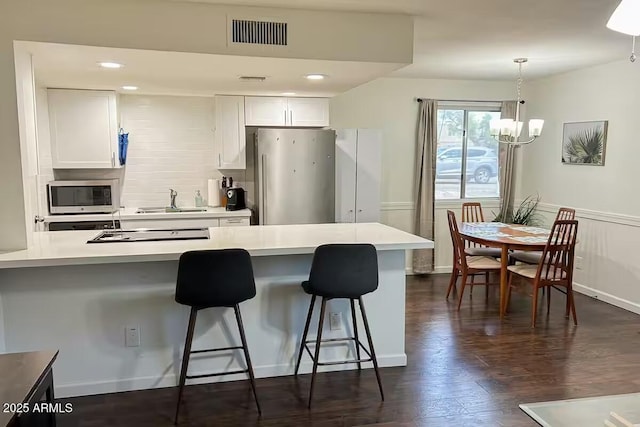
[175,73]
[477,39]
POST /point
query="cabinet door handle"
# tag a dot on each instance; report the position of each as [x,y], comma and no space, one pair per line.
[219,160]
[290,117]
[285,117]
[113,159]
[234,220]
[263,208]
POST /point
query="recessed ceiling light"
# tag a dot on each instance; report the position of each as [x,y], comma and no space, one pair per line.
[315,76]
[130,87]
[288,93]
[110,65]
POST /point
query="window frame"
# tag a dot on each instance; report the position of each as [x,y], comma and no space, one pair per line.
[466,107]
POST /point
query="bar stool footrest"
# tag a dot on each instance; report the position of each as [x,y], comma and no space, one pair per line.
[370,359]
[218,374]
[211,350]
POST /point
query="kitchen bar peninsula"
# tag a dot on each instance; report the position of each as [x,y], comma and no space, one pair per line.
[62,293]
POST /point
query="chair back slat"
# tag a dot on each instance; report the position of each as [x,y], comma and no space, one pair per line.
[566,214]
[557,256]
[458,245]
[472,212]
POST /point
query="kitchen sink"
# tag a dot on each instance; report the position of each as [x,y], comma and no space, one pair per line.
[165,209]
[143,235]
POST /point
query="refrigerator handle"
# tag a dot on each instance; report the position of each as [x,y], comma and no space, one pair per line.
[263,199]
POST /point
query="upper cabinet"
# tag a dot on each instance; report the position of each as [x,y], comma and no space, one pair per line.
[309,112]
[294,112]
[265,111]
[84,129]
[230,140]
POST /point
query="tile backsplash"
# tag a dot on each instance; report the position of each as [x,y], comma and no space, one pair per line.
[170,146]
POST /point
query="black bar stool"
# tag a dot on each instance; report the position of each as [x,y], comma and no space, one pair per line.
[214,278]
[346,271]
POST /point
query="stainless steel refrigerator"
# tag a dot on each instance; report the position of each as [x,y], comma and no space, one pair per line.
[294,176]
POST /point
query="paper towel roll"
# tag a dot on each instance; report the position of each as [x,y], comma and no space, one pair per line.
[213,193]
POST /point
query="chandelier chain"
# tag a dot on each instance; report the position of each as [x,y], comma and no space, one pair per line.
[519,83]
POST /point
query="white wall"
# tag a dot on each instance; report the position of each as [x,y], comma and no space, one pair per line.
[83,311]
[390,104]
[25,91]
[170,146]
[605,197]
[195,27]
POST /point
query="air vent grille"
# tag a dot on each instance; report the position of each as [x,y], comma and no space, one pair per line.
[259,32]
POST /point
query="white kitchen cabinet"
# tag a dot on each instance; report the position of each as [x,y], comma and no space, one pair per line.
[283,112]
[308,112]
[84,129]
[234,222]
[358,171]
[230,140]
[131,224]
[265,111]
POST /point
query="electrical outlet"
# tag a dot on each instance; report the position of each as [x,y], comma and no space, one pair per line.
[579,262]
[132,336]
[335,321]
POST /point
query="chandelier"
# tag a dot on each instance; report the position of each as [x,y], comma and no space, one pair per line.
[507,131]
[626,19]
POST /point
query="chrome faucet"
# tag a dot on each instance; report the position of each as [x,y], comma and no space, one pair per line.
[173,194]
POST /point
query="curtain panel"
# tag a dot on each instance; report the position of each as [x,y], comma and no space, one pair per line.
[425,180]
[507,166]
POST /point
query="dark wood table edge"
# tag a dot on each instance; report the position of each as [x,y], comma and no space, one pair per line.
[44,385]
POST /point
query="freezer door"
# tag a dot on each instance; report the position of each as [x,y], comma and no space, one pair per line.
[295,176]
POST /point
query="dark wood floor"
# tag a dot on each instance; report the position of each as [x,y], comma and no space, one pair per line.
[464,368]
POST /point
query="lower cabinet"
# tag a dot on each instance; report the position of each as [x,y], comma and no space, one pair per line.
[130,224]
[170,223]
[234,222]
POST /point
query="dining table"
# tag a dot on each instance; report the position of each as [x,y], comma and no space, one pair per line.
[507,237]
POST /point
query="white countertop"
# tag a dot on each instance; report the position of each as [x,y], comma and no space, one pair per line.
[130,214]
[57,248]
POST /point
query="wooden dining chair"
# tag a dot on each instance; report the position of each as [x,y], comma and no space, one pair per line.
[465,265]
[534,257]
[472,212]
[555,271]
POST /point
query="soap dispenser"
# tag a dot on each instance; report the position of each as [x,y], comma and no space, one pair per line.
[199,200]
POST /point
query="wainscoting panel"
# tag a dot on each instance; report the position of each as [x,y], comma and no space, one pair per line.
[609,268]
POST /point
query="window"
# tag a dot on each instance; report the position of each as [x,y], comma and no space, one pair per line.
[465,144]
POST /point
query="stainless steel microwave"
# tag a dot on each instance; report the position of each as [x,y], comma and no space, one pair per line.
[77,197]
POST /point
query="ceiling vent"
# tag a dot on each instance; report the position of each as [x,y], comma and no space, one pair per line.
[253,78]
[259,32]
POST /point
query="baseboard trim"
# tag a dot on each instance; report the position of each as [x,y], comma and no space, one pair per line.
[170,380]
[608,298]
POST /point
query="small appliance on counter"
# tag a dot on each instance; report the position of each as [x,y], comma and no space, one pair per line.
[83,197]
[235,199]
[213,193]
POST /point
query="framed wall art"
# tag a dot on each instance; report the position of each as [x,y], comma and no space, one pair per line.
[584,143]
